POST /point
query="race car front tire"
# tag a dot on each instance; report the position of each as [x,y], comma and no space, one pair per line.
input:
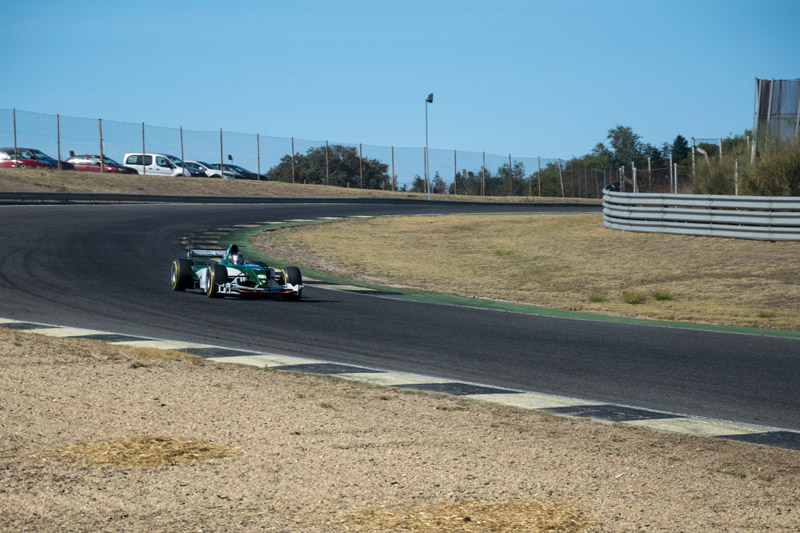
[293,277]
[181,275]
[217,275]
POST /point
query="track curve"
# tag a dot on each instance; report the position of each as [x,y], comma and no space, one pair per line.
[106,267]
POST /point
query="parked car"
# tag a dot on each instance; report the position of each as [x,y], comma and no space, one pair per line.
[241,173]
[92,164]
[29,157]
[158,165]
[209,170]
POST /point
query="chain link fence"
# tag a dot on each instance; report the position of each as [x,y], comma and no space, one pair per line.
[451,171]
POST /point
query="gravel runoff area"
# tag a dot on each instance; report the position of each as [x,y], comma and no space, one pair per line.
[95,437]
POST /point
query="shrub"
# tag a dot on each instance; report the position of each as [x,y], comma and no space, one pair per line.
[776,172]
[634,297]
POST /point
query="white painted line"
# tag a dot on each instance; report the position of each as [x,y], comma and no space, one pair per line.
[64,332]
[694,426]
[8,321]
[302,220]
[528,400]
[163,345]
[262,361]
[389,379]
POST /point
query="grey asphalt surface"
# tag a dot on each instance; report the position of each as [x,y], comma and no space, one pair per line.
[107,268]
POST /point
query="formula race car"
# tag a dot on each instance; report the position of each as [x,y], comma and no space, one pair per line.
[233,275]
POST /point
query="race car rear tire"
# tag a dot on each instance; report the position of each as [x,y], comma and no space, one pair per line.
[293,277]
[181,275]
[217,275]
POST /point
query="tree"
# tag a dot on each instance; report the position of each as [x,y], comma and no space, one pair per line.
[680,149]
[627,146]
[344,168]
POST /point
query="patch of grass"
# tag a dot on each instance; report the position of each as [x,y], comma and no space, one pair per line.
[147,450]
[139,364]
[767,314]
[634,297]
[558,262]
[767,479]
[326,405]
[662,296]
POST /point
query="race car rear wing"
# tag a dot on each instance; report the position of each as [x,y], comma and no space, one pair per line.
[206,253]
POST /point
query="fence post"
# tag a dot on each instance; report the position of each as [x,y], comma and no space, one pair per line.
[676,178]
[483,176]
[258,156]
[720,147]
[635,184]
[14,117]
[394,177]
[693,167]
[539,177]
[561,177]
[292,159]
[221,157]
[100,130]
[183,159]
[510,177]
[360,166]
[328,168]
[455,171]
[144,167]
[58,138]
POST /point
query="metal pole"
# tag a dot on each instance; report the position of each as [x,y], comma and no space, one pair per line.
[221,157]
[427,155]
[14,115]
[797,120]
[100,130]
[144,167]
[58,138]
[635,184]
[676,178]
[539,177]
[360,166]
[394,178]
[483,176]
[455,170]
[693,167]
[258,156]
[292,159]
[720,147]
[670,171]
[328,168]
[736,176]
[561,178]
[510,177]
[183,159]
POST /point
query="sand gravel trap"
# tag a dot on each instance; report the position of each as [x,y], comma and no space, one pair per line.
[99,438]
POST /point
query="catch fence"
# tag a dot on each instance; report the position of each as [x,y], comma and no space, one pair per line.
[451,171]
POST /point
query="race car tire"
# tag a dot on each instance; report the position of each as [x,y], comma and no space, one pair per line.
[181,275]
[293,277]
[217,274]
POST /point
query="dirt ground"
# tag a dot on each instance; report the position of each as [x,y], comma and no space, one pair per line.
[95,437]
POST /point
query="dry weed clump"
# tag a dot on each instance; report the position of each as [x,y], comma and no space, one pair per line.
[145,450]
[530,516]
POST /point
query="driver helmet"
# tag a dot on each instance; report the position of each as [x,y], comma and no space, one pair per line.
[237,259]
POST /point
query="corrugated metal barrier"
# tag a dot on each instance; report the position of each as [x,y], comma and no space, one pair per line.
[774,218]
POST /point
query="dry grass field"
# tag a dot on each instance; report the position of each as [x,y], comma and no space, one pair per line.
[95,437]
[39,180]
[567,262]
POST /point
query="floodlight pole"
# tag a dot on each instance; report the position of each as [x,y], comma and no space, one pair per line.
[428,100]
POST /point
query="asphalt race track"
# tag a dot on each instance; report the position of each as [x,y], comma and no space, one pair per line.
[106,267]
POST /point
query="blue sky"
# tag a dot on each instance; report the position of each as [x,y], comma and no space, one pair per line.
[529,78]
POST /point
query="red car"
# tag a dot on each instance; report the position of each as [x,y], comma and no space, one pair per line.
[92,164]
[28,158]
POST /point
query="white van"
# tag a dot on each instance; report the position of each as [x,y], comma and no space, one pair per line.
[156,164]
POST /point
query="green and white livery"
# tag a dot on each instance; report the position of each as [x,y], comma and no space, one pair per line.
[218,273]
